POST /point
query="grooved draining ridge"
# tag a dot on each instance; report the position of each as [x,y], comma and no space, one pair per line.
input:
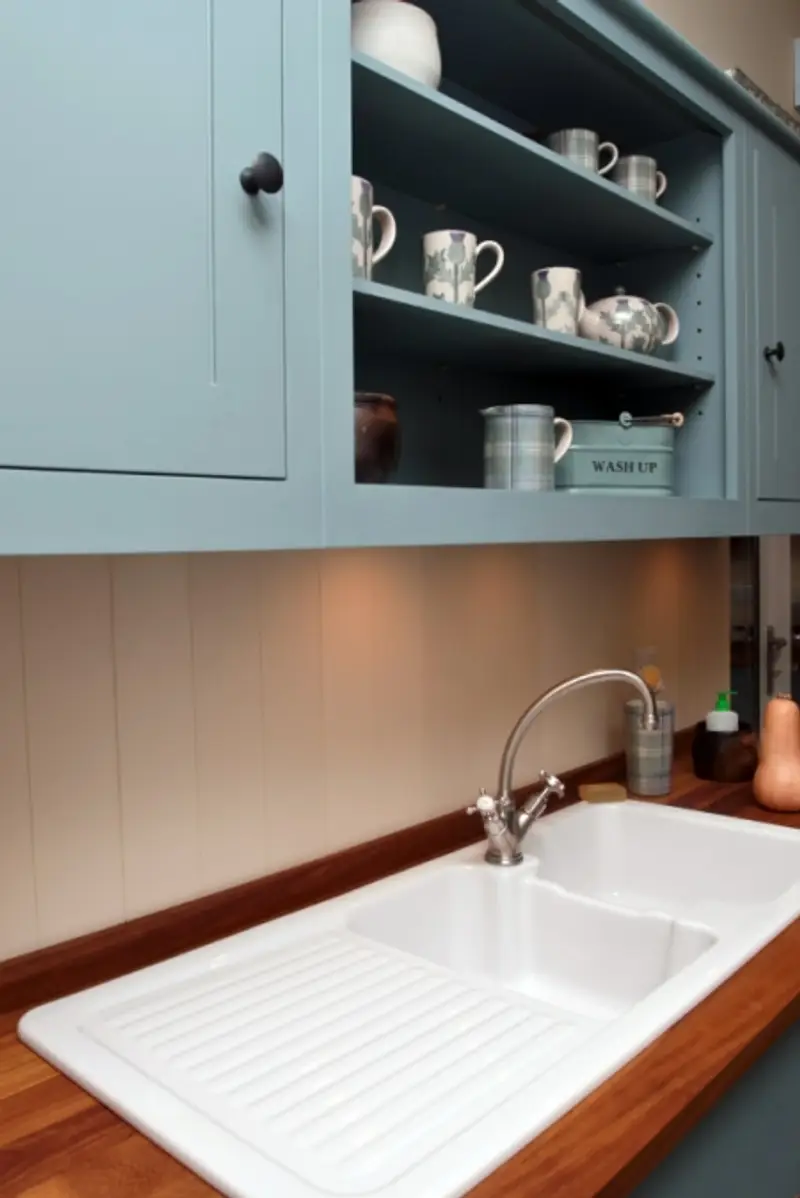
[337,1058]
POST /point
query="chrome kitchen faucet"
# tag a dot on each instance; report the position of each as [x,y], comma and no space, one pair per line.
[506,824]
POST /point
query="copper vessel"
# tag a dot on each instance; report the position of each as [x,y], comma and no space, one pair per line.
[377,437]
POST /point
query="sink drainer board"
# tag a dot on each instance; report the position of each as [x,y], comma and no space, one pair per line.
[345,1063]
[405,1039]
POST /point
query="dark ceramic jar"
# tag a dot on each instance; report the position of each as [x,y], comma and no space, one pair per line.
[377,437]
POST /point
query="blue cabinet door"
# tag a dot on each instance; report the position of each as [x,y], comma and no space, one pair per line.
[141,290]
[776,249]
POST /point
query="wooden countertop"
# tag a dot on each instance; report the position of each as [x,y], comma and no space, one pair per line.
[57,1142]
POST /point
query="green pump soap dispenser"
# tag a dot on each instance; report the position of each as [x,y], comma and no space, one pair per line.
[721,752]
[722,718]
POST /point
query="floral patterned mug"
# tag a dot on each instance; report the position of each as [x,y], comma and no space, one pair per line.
[558,302]
[450,260]
[363,211]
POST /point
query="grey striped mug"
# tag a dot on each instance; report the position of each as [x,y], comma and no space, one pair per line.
[583,147]
[520,448]
[640,174]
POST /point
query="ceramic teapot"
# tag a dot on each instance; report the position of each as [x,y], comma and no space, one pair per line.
[630,322]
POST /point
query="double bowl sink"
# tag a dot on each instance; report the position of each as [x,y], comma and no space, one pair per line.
[610,903]
[406,1038]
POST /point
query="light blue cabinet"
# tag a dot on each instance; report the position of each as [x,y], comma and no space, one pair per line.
[142,292]
[157,391]
[178,358]
[470,156]
[775,343]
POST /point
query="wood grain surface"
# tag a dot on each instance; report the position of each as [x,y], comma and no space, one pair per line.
[57,1142]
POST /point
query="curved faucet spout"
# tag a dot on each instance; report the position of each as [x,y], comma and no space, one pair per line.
[576,683]
[505,824]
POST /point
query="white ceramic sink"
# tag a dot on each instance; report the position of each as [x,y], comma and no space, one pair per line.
[403,1040]
[505,927]
[637,854]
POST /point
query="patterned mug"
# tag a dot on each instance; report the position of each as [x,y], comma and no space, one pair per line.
[450,260]
[520,448]
[583,147]
[362,213]
[640,174]
[558,302]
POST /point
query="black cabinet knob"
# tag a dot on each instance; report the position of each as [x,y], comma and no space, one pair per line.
[265,174]
[776,351]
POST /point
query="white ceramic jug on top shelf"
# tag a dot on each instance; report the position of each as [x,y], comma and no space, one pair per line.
[399,34]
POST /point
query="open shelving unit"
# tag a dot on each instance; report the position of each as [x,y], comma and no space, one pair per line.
[471,155]
[405,135]
[400,322]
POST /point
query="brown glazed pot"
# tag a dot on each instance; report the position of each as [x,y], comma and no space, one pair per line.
[377,436]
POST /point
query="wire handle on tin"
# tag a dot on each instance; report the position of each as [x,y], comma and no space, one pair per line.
[669,419]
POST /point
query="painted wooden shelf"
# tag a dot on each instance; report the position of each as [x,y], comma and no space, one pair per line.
[422,141]
[365,515]
[391,320]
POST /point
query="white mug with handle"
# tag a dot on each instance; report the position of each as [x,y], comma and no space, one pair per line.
[363,212]
[450,264]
